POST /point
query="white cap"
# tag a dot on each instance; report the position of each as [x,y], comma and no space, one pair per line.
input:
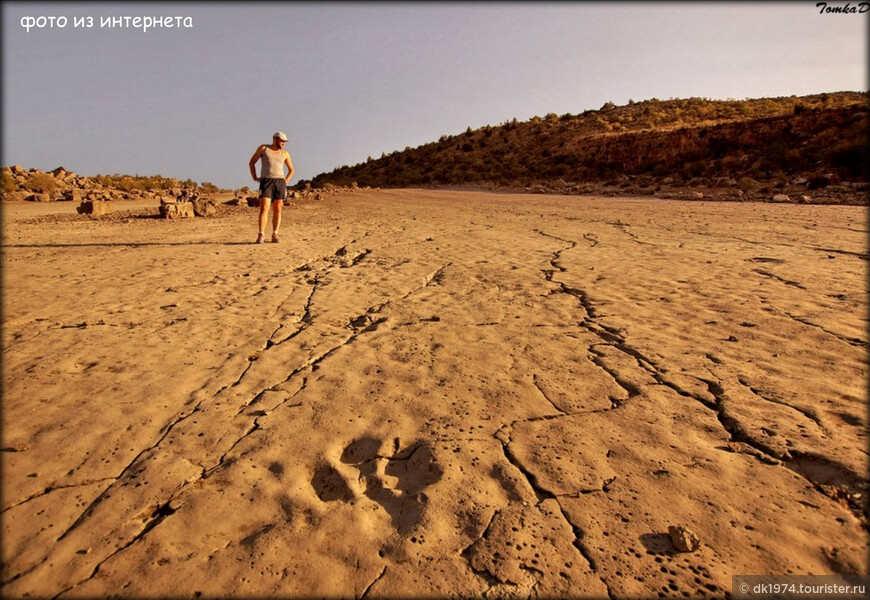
[280,135]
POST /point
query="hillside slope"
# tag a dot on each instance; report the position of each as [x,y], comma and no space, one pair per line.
[752,148]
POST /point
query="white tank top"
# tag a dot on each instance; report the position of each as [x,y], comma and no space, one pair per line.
[273,163]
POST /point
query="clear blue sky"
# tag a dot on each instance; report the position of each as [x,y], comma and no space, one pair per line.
[348,81]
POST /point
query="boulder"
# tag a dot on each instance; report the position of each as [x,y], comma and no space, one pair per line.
[170,209]
[780,198]
[39,198]
[72,195]
[684,540]
[203,207]
[95,207]
[252,201]
[16,196]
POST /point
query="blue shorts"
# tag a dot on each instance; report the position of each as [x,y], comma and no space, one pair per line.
[273,188]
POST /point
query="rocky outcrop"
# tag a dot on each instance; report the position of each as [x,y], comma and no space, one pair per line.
[203,207]
[173,209]
[95,208]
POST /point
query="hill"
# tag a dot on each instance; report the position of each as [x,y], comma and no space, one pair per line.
[730,149]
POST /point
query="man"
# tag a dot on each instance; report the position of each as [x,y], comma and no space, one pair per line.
[273,182]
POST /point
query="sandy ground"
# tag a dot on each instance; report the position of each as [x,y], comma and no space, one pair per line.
[425,393]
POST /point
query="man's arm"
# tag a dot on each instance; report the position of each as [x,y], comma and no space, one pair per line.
[253,162]
[290,168]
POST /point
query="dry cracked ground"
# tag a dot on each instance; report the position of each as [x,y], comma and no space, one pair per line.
[423,393]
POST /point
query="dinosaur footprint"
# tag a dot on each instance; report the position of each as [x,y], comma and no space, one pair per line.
[395,482]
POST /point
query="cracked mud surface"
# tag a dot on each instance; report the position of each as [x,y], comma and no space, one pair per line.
[424,393]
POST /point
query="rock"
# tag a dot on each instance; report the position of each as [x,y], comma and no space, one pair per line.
[95,208]
[683,539]
[805,199]
[176,210]
[16,196]
[233,201]
[73,195]
[697,195]
[780,198]
[252,201]
[39,198]
[318,197]
[203,207]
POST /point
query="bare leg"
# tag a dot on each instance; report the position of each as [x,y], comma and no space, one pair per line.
[276,215]
[264,211]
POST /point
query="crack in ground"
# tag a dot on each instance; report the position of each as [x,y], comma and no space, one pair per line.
[546,397]
[631,389]
[24,572]
[858,343]
[623,227]
[861,255]
[483,535]
[166,430]
[104,494]
[614,338]
[306,319]
[488,577]
[359,325]
[158,516]
[542,494]
[53,488]
[308,302]
[778,278]
[791,460]
[369,586]
[808,414]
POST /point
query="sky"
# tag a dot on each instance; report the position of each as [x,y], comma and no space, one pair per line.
[348,81]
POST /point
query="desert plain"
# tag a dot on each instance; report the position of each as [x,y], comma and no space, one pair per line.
[425,393]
